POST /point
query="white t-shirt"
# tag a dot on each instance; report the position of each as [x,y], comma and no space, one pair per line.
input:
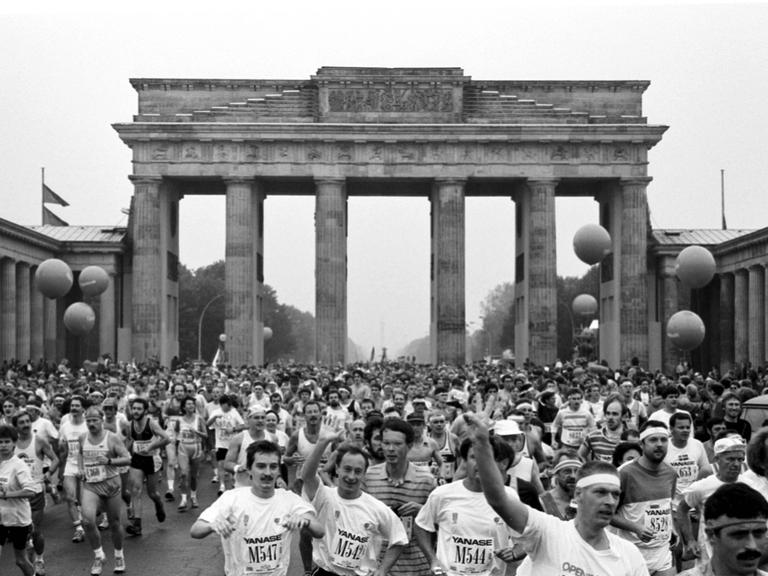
[687,462]
[224,426]
[355,530]
[15,475]
[44,428]
[70,433]
[695,496]
[556,548]
[468,530]
[260,545]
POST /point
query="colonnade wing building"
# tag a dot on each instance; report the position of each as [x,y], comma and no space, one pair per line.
[429,132]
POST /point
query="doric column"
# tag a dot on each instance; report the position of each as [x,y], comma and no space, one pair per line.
[536,273]
[633,294]
[241,283]
[448,320]
[23,312]
[765,313]
[51,351]
[8,309]
[330,271]
[726,324]
[106,320]
[147,294]
[36,346]
[756,315]
[670,305]
[741,321]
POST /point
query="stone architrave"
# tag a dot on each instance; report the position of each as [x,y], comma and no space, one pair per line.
[448,303]
[330,271]
[241,267]
[147,294]
[634,271]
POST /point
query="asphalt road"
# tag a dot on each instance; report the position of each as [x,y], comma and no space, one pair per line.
[163,549]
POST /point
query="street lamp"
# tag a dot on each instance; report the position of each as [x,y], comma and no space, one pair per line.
[200,326]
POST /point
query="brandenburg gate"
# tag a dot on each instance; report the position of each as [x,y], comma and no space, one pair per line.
[430,132]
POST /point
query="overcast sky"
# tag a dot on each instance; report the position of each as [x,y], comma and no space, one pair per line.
[64,70]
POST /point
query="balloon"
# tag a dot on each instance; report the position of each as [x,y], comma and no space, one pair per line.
[584,304]
[54,278]
[267,332]
[686,330]
[592,243]
[222,337]
[79,318]
[93,280]
[695,266]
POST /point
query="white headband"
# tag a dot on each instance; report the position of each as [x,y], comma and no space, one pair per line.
[653,431]
[611,479]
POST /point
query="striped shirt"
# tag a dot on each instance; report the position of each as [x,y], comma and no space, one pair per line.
[600,446]
[415,487]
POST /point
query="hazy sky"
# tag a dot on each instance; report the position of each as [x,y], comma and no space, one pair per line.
[64,70]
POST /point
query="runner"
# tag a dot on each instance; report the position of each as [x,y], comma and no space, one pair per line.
[117,422]
[559,500]
[735,524]
[572,423]
[69,434]
[226,422]
[458,518]
[172,411]
[146,437]
[423,450]
[600,444]
[235,461]
[644,516]
[257,523]
[190,432]
[35,452]
[101,453]
[447,444]
[16,487]
[356,524]
[579,546]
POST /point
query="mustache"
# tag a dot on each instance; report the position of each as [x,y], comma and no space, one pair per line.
[749,555]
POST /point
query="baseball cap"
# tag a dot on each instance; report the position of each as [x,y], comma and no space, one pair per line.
[414,418]
[506,428]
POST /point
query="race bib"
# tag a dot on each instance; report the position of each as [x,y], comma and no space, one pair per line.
[446,470]
[95,472]
[73,449]
[188,435]
[142,447]
[572,436]
[471,555]
[264,557]
[657,519]
[349,549]
[408,525]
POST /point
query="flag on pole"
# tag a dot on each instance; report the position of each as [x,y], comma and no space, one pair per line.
[50,219]
[50,197]
[216,359]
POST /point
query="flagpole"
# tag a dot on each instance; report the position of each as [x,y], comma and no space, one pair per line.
[722,197]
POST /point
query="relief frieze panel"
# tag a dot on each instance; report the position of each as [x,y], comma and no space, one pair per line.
[334,152]
[390,99]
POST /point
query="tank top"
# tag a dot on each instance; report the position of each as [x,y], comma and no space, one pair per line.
[243,478]
[449,458]
[28,453]
[304,447]
[172,416]
[187,430]
[93,470]
[70,433]
[143,438]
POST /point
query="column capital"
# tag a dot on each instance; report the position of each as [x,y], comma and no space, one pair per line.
[543,180]
[635,181]
[234,180]
[138,179]
[330,181]
[449,181]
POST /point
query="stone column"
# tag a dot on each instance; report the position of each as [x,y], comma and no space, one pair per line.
[330,271]
[147,293]
[23,312]
[51,350]
[633,276]
[36,346]
[241,282]
[726,323]
[670,305]
[765,313]
[536,273]
[756,316]
[448,334]
[741,322]
[7,309]
[106,320]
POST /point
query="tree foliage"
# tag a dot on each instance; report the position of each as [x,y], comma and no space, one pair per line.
[292,329]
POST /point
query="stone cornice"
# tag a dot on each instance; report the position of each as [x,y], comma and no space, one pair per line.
[149,131]
[19,232]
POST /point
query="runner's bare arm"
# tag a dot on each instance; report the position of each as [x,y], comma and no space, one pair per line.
[47,450]
[160,436]
[309,472]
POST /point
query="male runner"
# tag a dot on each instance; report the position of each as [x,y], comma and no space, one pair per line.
[69,435]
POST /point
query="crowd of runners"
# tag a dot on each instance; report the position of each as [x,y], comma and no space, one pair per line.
[393,468]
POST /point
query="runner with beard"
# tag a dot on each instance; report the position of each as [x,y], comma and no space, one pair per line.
[600,444]
[34,450]
[257,522]
[356,524]
[372,440]
[101,454]
[578,546]
[69,442]
[644,516]
[735,524]
[558,501]
[146,437]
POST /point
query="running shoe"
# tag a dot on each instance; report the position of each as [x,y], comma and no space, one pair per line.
[169,497]
[79,535]
[97,567]
[119,565]
[104,524]
[134,528]
[39,567]
[160,512]
[182,506]
[215,479]
[195,503]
